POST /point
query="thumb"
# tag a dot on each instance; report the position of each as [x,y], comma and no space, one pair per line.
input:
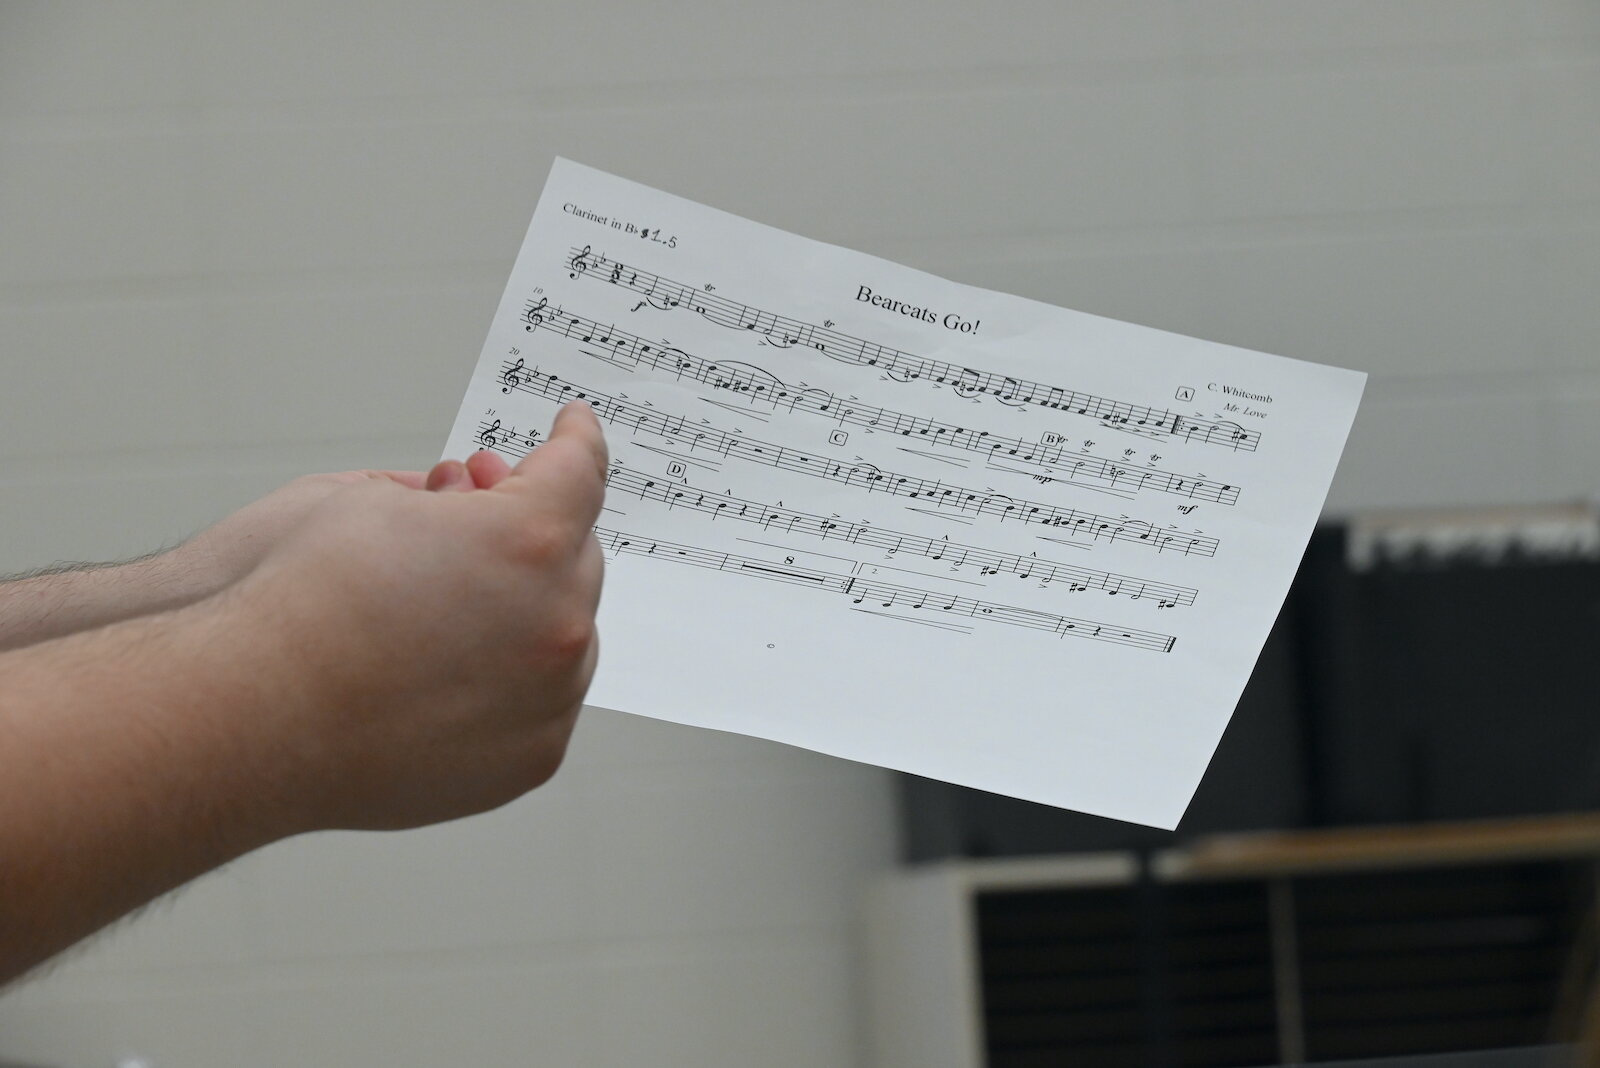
[565,476]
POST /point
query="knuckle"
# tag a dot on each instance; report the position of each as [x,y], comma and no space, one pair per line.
[567,639]
[541,544]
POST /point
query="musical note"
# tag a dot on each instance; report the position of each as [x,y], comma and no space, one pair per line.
[759,386]
[885,594]
[908,367]
[892,542]
[864,475]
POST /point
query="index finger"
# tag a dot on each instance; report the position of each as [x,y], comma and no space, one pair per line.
[566,474]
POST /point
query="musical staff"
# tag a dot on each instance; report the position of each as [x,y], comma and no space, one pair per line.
[517,376]
[675,494]
[628,350]
[664,294]
[882,594]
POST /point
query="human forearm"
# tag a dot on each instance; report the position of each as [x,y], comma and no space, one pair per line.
[132,758]
[392,659]
[80,597]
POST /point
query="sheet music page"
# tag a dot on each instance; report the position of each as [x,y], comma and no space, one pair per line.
[861,509]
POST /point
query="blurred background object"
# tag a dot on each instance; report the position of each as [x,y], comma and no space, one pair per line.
[241,242]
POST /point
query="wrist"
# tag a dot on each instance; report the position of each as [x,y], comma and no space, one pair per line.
[184,574]
[259,708]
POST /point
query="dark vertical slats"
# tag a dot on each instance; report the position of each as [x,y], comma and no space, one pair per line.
[1067,977]
[1435,960]
[1390,964]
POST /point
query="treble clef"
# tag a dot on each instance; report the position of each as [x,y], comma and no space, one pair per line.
[512,376]
[488,438]
[580,262]
[535,314]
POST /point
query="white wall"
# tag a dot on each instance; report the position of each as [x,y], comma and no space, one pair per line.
[243,241]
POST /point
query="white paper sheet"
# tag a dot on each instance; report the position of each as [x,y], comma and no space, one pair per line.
[861,509]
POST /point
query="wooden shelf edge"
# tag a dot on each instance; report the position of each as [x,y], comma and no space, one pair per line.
[1410,845]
